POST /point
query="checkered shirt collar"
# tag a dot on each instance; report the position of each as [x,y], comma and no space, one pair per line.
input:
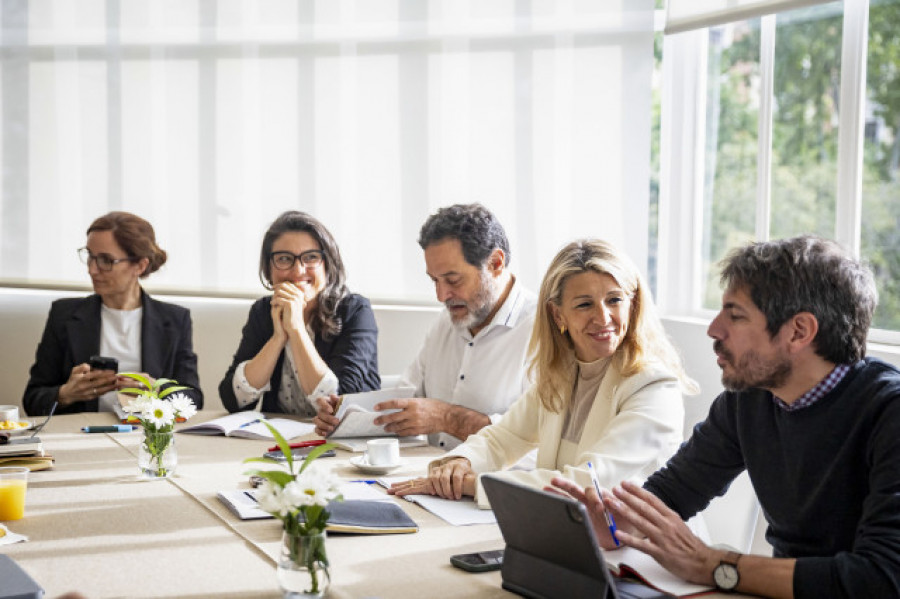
[821,389]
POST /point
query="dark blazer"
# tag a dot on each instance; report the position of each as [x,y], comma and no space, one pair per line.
[352,355]
[72,336]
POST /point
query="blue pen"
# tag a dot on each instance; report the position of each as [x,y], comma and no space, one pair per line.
[367,481]
[246,424]
[609,519]
[115,428]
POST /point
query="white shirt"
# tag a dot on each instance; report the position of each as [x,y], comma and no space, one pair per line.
[486,372]
[120,338]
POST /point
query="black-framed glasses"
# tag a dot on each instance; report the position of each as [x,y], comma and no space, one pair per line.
[105,262]
[286,260]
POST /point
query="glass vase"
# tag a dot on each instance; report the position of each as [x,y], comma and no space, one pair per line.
[157,456]
[303,566]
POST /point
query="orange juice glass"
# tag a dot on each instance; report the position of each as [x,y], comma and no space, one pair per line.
[13,481]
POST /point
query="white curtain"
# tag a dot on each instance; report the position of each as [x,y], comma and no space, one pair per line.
[684,15]
[210,117]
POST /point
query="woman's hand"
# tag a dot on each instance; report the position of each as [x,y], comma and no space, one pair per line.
[85,384]
[450,480]
[278,332]
[291,299]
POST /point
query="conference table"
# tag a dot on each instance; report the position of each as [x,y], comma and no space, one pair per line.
[96,527]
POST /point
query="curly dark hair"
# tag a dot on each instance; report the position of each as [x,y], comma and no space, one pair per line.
[808,274]
[477,229]
[325,320]
[134,235]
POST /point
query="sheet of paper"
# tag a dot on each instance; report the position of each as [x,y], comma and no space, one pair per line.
[357,413]
[463,512]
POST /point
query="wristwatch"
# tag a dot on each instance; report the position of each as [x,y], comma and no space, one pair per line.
[726,574]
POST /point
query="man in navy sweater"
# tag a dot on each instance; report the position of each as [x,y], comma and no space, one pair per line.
[814,422]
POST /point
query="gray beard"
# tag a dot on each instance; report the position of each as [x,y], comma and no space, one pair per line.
[482,304]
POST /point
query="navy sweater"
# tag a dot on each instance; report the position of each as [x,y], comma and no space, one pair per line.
[827,477]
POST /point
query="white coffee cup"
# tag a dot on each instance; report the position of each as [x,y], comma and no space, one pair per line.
[9,413]
[383,452]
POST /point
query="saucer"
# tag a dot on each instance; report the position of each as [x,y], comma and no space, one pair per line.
[20,430]
[362,463]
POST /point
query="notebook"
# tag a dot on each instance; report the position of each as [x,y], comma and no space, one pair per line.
[551,550]
[249,426]
[350,517]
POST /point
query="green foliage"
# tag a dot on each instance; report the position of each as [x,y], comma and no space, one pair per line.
[804,166]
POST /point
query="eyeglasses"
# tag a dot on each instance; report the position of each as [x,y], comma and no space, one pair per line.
[286,260]
[105,262]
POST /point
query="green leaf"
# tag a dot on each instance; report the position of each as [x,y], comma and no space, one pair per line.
[277,477]
[133,390]
[173,389]
[138,377]
[319,450]
[283,445]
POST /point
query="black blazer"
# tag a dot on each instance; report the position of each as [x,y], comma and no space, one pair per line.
[72,336]
[352,354]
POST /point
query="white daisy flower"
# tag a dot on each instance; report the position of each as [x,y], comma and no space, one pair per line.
[159,413]
[139,404]
[270,499]
[317,486]
[182,405]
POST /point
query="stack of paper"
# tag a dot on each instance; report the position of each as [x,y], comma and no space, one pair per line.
[357,414]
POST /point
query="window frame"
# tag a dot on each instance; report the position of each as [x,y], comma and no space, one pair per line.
[682,143]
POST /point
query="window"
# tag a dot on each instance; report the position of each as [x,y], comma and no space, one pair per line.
[776,151]
[881,161]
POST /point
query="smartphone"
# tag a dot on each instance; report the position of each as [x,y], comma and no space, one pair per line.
[298,453]
[103,363]
[481,561]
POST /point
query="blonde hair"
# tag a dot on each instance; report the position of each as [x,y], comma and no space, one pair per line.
[552,354]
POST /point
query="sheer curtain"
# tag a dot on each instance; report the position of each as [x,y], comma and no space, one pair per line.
[210,117]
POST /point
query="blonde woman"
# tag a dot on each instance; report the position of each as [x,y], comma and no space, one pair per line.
[608,386]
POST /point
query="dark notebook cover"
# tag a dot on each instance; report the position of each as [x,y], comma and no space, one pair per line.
[369,517]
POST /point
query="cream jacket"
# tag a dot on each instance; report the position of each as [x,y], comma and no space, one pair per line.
[633,427]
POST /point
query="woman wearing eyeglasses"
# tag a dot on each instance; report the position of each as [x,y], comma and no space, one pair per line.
[120,320]
[311,338]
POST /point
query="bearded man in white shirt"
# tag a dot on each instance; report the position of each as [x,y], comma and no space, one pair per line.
[472,364]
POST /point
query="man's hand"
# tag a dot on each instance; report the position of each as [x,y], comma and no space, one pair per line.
[595,508]
[450,480]
[417,416]
[665,535]
[325,419]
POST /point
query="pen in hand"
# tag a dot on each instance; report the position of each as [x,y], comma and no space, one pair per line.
[610,522]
